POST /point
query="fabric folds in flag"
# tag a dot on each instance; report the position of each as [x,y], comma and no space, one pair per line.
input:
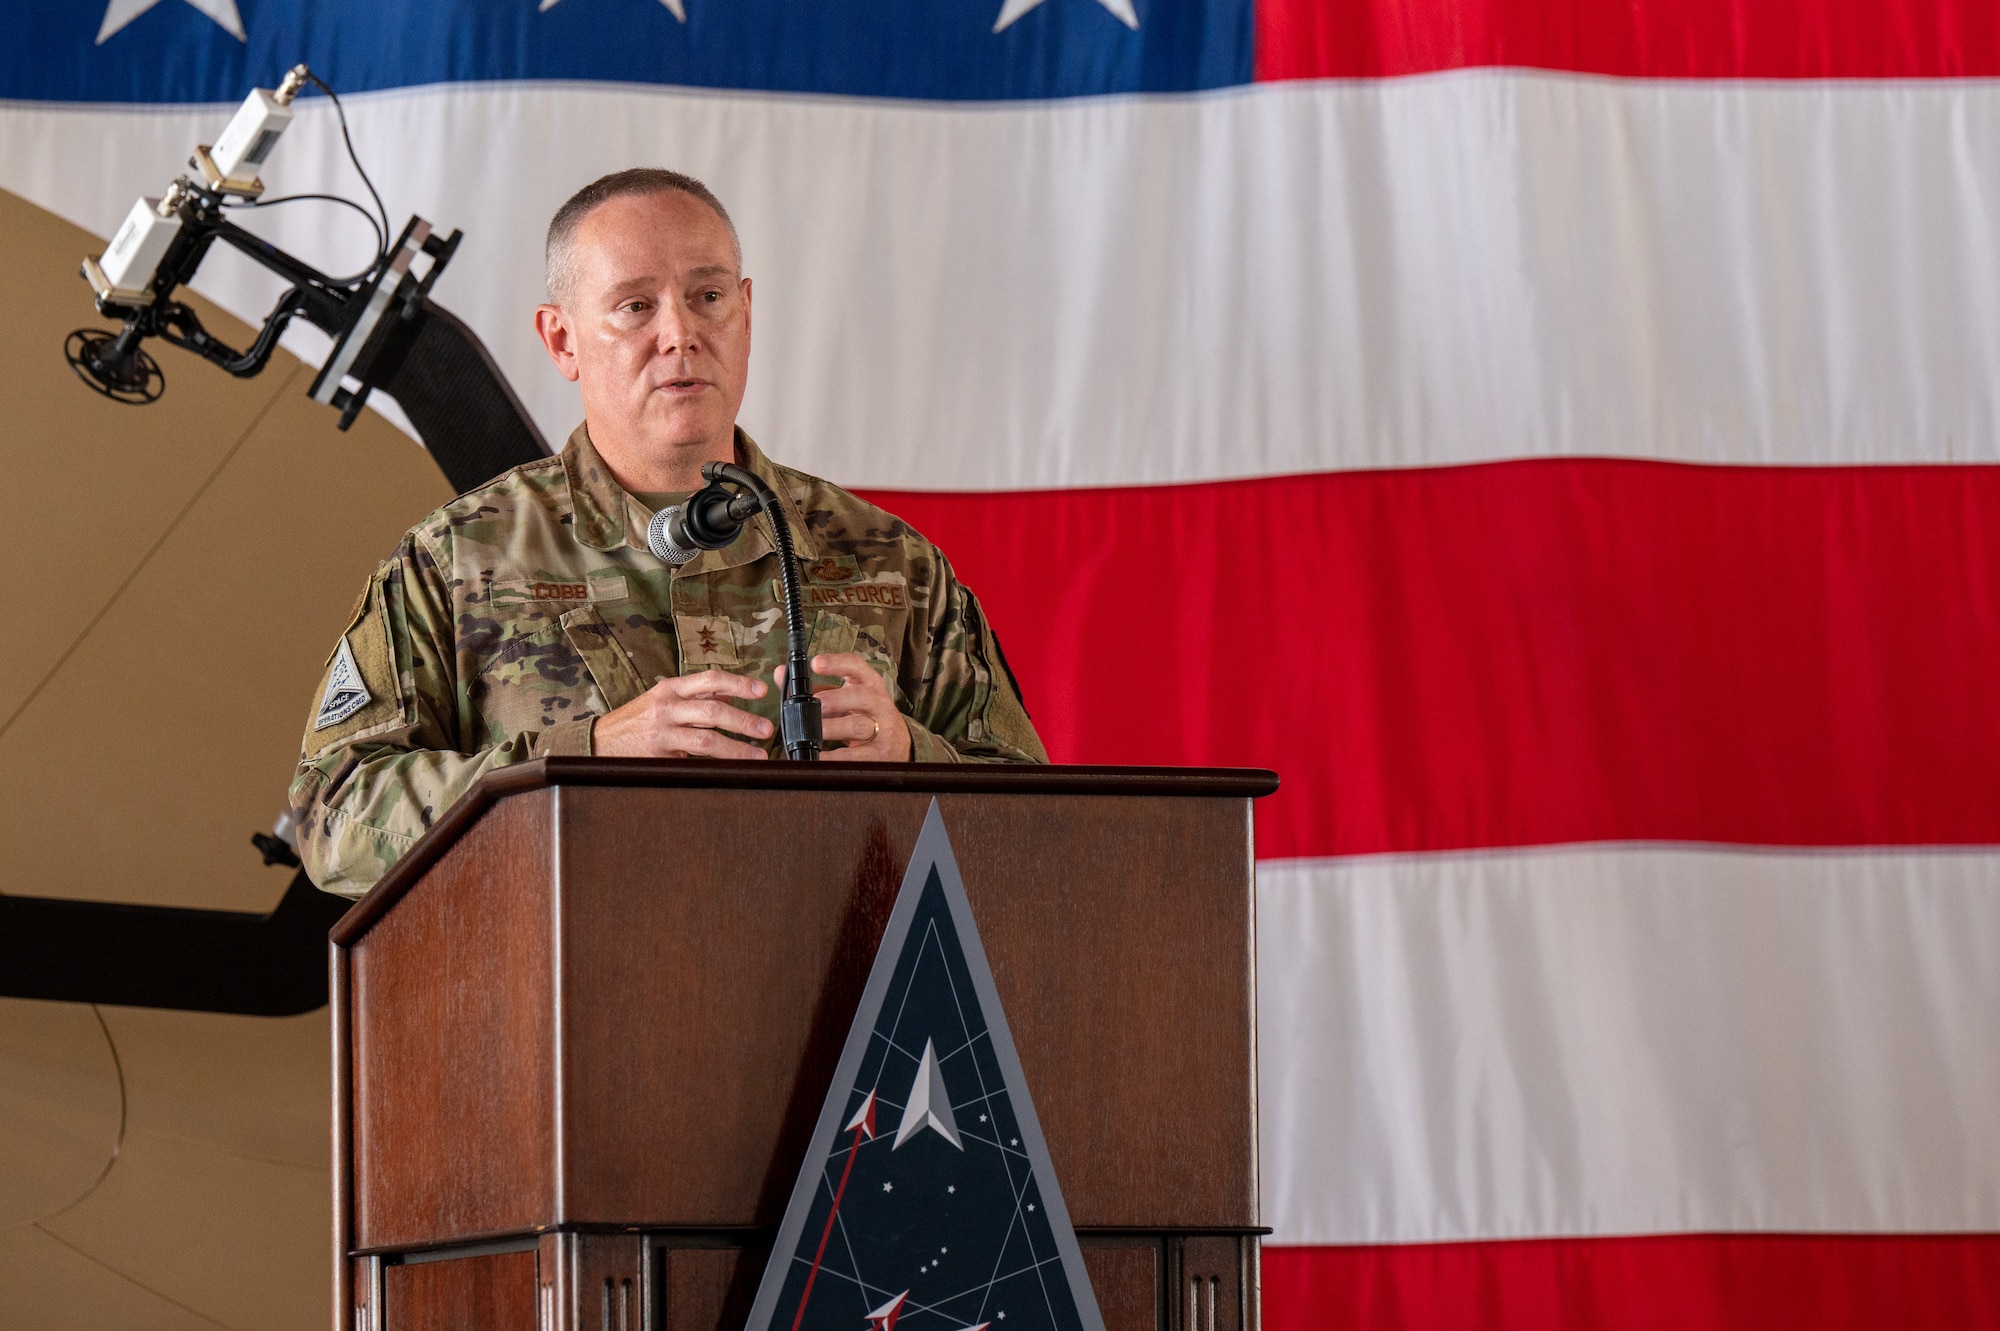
[1563,441]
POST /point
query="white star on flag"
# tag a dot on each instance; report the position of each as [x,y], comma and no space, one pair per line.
[121,12]
[1120,9]
[674,7]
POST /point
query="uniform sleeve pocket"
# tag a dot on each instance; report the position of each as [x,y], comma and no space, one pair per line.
[603,655]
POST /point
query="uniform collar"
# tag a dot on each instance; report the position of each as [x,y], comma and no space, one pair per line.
[606,517]
[599,507]
[758,541]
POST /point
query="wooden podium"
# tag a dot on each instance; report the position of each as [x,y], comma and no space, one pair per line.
[582,1032]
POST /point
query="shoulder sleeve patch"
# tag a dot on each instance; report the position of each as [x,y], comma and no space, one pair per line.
[359,692]
[345,692]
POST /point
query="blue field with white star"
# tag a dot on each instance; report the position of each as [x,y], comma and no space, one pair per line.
[940,50]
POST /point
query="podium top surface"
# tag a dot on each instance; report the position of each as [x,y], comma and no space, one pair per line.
[714,774]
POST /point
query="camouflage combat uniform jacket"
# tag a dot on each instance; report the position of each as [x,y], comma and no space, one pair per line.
[514,615]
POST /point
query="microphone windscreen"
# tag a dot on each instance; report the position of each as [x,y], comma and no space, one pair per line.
[660,541]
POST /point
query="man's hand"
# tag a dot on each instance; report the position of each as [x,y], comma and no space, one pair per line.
[860,712]
[684,717]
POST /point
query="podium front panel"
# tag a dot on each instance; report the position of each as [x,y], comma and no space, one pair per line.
[454,1035]
[618,1007]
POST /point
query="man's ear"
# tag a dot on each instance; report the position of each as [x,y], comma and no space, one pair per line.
[746,303]
[558,339]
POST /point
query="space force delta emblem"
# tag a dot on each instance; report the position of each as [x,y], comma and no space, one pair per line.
[345,693]
[927,1201]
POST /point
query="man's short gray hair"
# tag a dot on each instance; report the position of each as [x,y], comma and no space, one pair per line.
[559,252]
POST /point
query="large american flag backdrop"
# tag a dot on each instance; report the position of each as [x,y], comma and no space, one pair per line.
[1559,438]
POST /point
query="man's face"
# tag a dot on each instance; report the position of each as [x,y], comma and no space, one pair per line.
[656,327]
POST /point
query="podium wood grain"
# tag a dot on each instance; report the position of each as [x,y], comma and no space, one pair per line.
[613,999]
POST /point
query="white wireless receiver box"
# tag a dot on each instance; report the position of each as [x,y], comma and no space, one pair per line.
[135,252]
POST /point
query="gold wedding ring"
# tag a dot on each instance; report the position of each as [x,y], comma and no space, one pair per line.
[873,733]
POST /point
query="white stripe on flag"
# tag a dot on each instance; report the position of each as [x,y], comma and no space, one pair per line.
[1629,1040]
[1288,278]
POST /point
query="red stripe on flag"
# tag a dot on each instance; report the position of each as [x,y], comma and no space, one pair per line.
[1521,653]
[1692,1282]
[1303,39]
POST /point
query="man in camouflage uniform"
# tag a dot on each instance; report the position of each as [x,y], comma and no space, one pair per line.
[528,617]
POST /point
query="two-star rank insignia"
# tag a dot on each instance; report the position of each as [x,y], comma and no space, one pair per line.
[953,1222]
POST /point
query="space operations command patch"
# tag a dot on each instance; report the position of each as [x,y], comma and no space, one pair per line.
[345,693]
[927,1201]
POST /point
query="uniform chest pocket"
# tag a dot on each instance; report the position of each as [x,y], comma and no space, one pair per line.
[875,640]
[603,656]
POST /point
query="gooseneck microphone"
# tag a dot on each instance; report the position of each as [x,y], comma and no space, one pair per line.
[711,519]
